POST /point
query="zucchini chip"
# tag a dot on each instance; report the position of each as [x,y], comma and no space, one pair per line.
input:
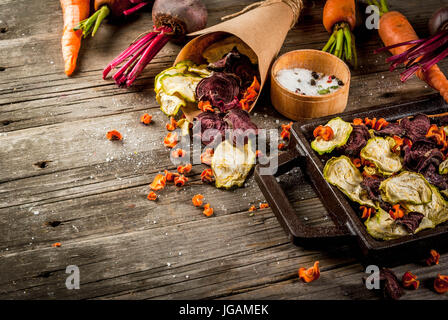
[378,152]
[436,211]
[341,130]
[180,84]
[340,172]
[383,227]
[169,104]
[231,165]
[406,187]
[443,167]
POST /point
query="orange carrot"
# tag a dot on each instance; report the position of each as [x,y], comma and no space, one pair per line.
[441,284]
[172,125]
[158,183]
[197,200]
[324,132]
[73,11]
[434,258]
[114,135]
[146,119]
[395,29]
[409,281]
[152,196]
[339,19]
[339,11]
[207,176]
[208,211]
[264,205]
[310,274]
[207,155]
[396,212]
[184,169]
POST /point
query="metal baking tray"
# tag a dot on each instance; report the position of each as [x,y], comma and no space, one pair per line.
[347,223]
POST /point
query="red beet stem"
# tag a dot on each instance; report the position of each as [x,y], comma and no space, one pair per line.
[128,52]
[435,60]
[398,45]
[410,55]
[138,55]
[156,45]
[128,64]
[135,8]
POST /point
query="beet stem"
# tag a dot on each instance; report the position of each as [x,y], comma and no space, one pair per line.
[139,54]
[156,45]
[398,45]
[128,52]
[130,61]
[135,8]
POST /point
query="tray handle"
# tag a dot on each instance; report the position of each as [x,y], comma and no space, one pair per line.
[298,232]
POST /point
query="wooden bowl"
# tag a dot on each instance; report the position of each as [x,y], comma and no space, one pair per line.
[298,106]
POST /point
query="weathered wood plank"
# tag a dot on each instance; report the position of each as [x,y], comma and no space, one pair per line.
[90,195]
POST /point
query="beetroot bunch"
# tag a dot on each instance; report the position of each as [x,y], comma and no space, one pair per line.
[172,19]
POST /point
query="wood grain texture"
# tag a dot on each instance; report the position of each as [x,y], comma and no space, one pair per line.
[62,181]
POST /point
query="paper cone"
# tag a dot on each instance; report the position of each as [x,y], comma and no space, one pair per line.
[263,29]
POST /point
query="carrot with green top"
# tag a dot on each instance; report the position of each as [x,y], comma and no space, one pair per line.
[339,19]
[73,11]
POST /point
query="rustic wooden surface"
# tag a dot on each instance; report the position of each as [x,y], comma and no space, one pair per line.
[62,181]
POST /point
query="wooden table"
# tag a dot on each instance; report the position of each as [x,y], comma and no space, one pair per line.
[62,181]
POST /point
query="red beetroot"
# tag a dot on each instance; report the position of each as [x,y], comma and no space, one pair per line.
[172,19]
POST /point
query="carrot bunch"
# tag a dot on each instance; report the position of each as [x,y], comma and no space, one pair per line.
[339,19]
[401,40]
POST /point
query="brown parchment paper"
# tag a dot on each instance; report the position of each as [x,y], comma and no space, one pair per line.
[263,29]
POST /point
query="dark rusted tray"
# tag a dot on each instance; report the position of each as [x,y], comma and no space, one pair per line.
[344,214]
